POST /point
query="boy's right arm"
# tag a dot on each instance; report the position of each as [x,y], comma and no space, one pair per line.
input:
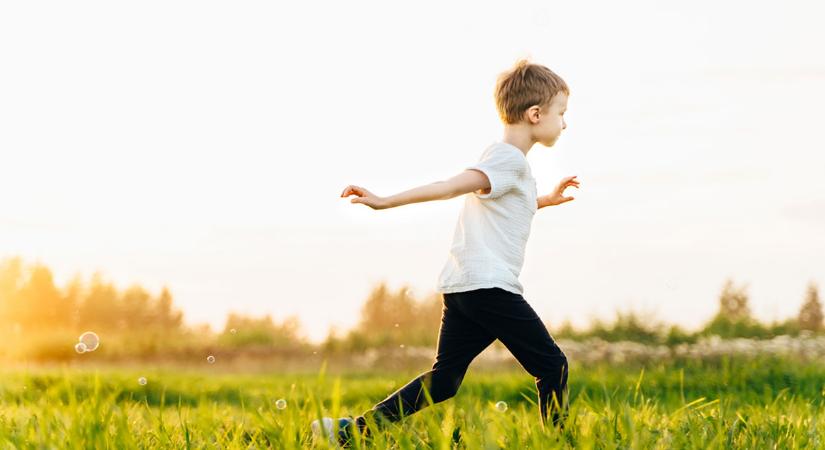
[463,183]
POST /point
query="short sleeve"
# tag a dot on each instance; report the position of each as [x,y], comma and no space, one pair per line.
[504,168]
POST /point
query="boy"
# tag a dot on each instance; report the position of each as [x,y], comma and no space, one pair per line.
[479,283]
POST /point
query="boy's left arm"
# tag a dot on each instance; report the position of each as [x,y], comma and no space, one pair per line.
[557,197]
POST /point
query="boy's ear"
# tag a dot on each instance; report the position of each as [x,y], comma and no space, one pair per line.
[533,114]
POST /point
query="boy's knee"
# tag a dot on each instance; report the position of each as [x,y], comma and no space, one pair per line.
[555,369]
[446,380]
[447,386]
[452,385]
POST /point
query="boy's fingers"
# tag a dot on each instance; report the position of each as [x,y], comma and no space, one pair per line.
[355,190]
[350,190]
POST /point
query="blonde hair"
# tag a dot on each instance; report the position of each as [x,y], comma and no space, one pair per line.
[523,86]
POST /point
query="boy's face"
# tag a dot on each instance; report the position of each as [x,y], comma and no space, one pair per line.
[550,121]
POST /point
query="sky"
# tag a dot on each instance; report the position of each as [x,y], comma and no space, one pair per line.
[204,146]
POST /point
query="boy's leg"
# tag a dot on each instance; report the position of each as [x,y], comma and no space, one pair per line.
[508,317]
[460,339]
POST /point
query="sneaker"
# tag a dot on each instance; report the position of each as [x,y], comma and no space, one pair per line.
[326,429]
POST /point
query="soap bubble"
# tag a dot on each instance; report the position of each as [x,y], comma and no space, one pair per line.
[280,403]
[501,406]
[233,331]
[210,359]
[80,347]
[142,381]
[90,340]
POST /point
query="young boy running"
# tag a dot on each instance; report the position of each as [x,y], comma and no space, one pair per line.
[479,283]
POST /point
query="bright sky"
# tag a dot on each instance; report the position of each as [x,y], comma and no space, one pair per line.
[204,145]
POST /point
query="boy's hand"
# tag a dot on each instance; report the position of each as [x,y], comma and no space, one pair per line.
[365,197]
[557,197]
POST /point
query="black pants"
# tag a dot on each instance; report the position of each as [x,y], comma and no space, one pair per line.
[470,322]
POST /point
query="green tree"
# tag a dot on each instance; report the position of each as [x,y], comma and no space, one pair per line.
[137,307]
[733,303]
[734,316]
[394,318]
[810,314]
[165,315]
[39,303]
[100,309]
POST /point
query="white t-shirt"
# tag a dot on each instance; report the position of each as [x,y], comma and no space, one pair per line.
[492,230]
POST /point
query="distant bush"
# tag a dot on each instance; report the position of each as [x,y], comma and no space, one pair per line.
[392,319]
[244,331]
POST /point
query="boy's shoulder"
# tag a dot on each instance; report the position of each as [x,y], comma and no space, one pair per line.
[502,146]
[502,153]
[503,150]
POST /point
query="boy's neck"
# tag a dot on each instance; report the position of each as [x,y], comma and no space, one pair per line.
[518,136]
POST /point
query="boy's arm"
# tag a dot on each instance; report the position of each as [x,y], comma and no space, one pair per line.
[467,181]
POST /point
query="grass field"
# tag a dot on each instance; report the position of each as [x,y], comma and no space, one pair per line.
[739,403]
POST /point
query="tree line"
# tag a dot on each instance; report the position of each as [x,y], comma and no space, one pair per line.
[393,318]
[40,317]
[43,320]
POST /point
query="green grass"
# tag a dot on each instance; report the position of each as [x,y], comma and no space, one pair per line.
[764,403]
